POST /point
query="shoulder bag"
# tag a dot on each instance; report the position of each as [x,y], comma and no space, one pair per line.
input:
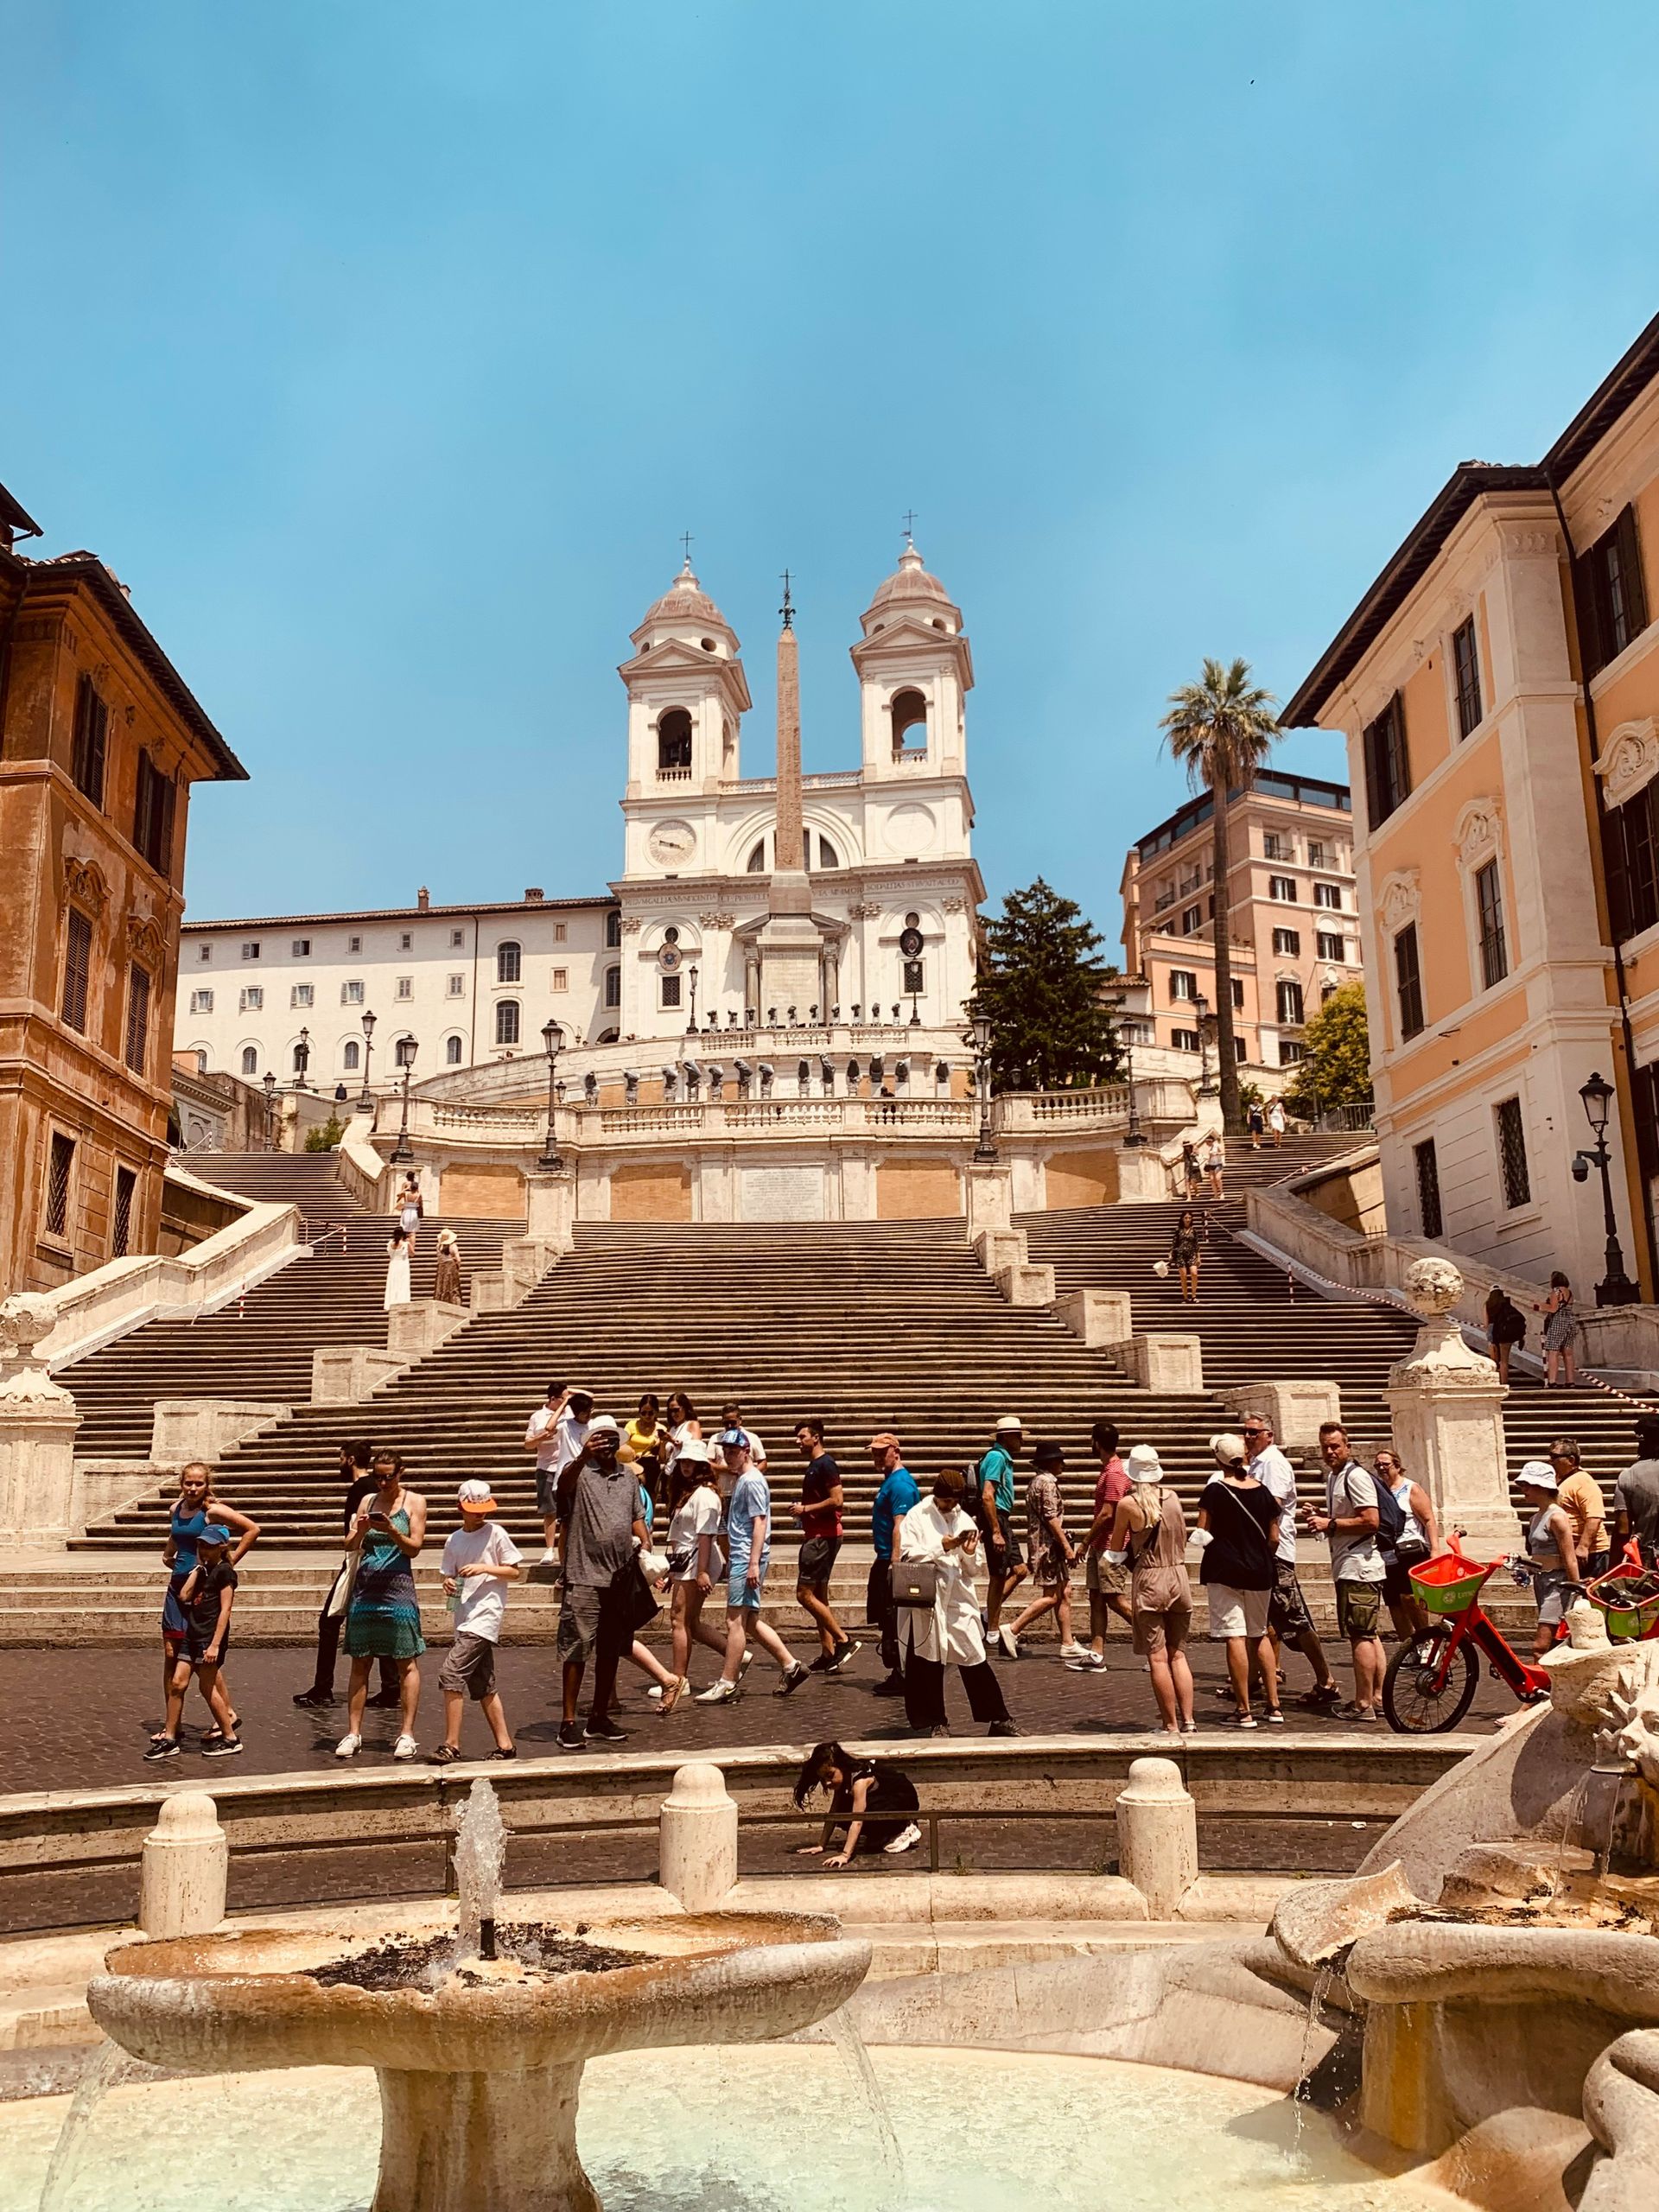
[915,1583]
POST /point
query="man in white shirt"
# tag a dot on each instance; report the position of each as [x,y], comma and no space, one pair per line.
[557,1431]
[1288,1618]
[731,1417]
[1351,1520]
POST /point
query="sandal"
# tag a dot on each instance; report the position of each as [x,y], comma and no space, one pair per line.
[672,1696]
[1319,1700]
[446,1755]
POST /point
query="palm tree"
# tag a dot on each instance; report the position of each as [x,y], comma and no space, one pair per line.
[1222,728]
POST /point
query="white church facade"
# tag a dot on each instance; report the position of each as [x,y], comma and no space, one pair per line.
[870,923]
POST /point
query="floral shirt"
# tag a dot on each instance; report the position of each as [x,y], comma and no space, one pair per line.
[1043,1503]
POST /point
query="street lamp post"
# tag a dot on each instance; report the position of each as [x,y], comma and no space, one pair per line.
[979,1037]
[1616,1287]
[366,1098]
[552,1037]
[401,1155]
[270,1111]
[691,1020]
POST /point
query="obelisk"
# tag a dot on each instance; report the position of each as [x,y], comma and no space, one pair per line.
[789,938]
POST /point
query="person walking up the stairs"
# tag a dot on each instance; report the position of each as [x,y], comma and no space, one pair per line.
[1184,1255]
[193,1509]
[383,1616]
[399,1250]
[896,1493]
[1351,1520]
[748,1539]
[356,1471]
[1108,1580]
[1289,1620]
[446,1287]
[936,1531]
[1004,1563]
[410,1207]
[1052,1552]
[598,1504]
[819,1514]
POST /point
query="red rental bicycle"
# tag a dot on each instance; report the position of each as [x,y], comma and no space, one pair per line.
[1430,1681]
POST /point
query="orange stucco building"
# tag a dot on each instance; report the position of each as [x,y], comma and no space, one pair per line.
[1498,687]
[101,740]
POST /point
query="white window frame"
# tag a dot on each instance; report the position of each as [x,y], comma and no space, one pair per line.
[302,995]
[252,999]
[1282,890]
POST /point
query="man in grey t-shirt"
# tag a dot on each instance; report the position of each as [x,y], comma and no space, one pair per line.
[1351,1520]
[1635,1494]
[1288,1618]
[600,1526]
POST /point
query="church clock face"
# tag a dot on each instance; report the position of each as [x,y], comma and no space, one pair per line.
[670,843]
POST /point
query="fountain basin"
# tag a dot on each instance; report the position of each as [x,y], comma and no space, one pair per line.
[479,2077]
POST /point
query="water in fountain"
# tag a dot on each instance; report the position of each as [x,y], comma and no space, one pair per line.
[65,2175]
[1303,2091]
[856,2059]
[480,1848]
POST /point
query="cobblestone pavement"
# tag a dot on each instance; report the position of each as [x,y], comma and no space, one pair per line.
[81,1719]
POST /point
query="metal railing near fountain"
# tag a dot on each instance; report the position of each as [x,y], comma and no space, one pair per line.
[70,1859]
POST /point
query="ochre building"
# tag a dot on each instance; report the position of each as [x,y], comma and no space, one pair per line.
[1498,686]
[101,740]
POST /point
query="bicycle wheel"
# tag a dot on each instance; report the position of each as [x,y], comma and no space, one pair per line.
[1416,1700]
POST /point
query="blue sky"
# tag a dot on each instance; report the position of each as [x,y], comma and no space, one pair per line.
[385,350]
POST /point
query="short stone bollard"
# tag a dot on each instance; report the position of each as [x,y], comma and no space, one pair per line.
[182,1875]
[1157,1835]
[697,1846]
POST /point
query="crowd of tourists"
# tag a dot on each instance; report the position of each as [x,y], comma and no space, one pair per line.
[658,1514]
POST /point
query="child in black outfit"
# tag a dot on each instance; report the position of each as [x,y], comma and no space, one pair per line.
[205,1598]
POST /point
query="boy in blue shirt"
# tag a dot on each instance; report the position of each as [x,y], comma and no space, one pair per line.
[748,1548]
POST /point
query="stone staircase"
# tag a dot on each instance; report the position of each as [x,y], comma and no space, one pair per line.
[259,1347]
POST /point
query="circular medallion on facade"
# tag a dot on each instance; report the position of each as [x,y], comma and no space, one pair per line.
[670,843]
[911,831]
[910,943]
[669,958]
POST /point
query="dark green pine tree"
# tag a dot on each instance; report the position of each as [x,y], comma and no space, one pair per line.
[1041,988]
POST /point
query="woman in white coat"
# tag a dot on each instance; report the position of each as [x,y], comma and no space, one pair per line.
[947,1633]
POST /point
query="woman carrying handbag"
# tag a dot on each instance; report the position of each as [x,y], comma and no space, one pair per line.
[934,1589]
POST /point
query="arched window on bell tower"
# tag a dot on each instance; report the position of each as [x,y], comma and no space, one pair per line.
[909,712]
[674,742]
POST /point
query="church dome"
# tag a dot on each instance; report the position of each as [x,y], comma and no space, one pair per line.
[685,601]
[911,589]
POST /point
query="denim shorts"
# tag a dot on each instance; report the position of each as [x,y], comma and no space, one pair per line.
[741,1594]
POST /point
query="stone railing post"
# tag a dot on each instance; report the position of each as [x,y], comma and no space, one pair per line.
[1447,1409]
[1157,1835]
[697,1837]
[551,1209]
[184,1868]
[38,1421]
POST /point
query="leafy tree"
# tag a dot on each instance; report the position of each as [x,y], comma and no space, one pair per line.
[1041,988]
[1221,729]
[1337,1070]
[325,1138]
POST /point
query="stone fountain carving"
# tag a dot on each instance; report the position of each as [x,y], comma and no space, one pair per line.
[479,2059]
[1510,1991]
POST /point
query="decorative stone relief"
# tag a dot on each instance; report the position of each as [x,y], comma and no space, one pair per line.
[144,940]
[1524,542]
[1631,760]
[631,924]
[1434,1288]
[1479,828]
[954,906]
[864,910]
[1399,900]
[84,882]
[26,1318]
[713,921]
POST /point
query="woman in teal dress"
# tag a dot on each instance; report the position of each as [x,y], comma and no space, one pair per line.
[383,1615]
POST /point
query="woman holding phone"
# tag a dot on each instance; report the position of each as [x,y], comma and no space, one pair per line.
[383,1615]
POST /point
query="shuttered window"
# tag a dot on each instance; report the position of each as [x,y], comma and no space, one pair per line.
[1512,1155]
[92,731]
[138,1018]
[1493,951]
[1387,764]
[77,969]
[1409,981]
[1631,851]
[1466,662]
[152,816]
[60,1166]
[1612,600]
[1427,1165]
[126,1182]
[1289,997]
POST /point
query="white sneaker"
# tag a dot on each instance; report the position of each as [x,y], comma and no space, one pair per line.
[550,1557]
[348,1747]
[722,1692]
[1075,1650]
[656,1691]
[404,1748]
[1006,1644]
[907,1840]
[1086,1663]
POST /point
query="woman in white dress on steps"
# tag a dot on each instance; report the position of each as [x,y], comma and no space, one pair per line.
[398,1289]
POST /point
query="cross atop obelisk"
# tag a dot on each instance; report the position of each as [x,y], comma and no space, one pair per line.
[788,942]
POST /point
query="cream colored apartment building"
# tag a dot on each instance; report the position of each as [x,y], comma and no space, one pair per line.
[1498,689]
[1291,907]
